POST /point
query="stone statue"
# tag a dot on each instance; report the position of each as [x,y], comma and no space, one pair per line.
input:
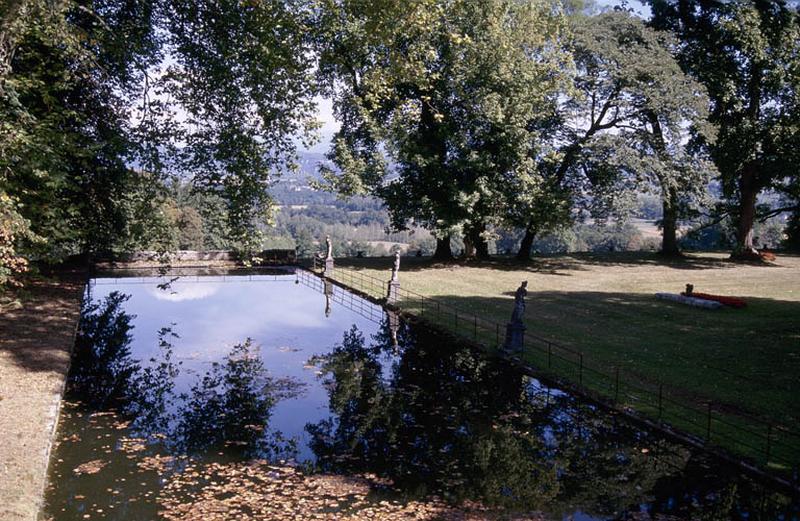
[519,303]
[396,265]
[393,294]
[329,246]
[515,329]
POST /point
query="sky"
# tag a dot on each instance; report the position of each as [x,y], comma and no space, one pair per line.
[325,107]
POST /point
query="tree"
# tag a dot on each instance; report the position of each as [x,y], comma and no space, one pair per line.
[745,53]
[624,125]
[63,142]
[89,103]
[447,90]
[242,77]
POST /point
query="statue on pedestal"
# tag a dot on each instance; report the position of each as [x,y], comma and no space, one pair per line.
[393,294]
[328,257]
[515,329]
[396,265]
[519,303]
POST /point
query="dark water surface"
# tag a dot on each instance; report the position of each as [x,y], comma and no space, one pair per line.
[171,375]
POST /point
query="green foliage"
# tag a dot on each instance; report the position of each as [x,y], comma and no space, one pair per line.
[462,117]
[241,76]
[89,126]
[13,228]
[745,53]
[62,142]
[448,91]
[596,237]
[626,125]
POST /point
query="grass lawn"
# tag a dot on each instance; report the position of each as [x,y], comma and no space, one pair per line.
[603,306]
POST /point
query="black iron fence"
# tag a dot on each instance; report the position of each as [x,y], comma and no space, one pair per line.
[770,446]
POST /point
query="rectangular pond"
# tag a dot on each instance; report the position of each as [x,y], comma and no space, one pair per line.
[276,395]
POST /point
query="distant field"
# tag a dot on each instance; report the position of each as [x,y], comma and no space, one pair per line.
[603,305]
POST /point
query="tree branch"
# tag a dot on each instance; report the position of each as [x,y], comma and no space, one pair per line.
[763,217]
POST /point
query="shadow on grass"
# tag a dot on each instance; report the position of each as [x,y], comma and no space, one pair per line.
[558,264]
[744,360]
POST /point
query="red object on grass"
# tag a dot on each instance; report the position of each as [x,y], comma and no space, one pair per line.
[734,302]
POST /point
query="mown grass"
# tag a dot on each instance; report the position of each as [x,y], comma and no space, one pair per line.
[602,309]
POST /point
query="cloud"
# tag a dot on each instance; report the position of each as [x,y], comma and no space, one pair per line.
[177,292]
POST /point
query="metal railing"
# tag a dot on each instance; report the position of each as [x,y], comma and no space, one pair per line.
[773,447]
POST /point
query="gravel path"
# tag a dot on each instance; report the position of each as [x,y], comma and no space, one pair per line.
[35,345]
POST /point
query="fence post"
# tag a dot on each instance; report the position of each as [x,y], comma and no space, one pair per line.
[660,400]
[769,442]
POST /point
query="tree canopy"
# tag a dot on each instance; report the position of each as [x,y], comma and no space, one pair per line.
[162,123]
[745,53]
[103,101]
[447,93]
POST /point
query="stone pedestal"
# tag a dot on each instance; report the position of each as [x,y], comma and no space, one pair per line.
[515,337]
[393,293]
[328,267]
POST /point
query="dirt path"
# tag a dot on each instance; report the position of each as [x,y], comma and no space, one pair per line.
[35,345]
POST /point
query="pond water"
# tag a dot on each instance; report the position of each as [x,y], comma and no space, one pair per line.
[272,395]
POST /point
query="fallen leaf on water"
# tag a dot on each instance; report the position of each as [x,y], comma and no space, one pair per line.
[90,467]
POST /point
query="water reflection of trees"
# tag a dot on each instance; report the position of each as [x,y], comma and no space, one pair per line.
[227,407]
[231,406]
[102,363]
[441,418]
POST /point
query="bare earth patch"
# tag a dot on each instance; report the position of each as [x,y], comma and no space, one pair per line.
[36,339]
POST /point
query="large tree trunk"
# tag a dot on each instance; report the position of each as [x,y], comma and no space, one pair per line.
[482,249]
[443,251]
[792,242]
[524,253]
[469,247]
[748,193]
[669,224]
[669,196]
[474,243]
[748,178]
